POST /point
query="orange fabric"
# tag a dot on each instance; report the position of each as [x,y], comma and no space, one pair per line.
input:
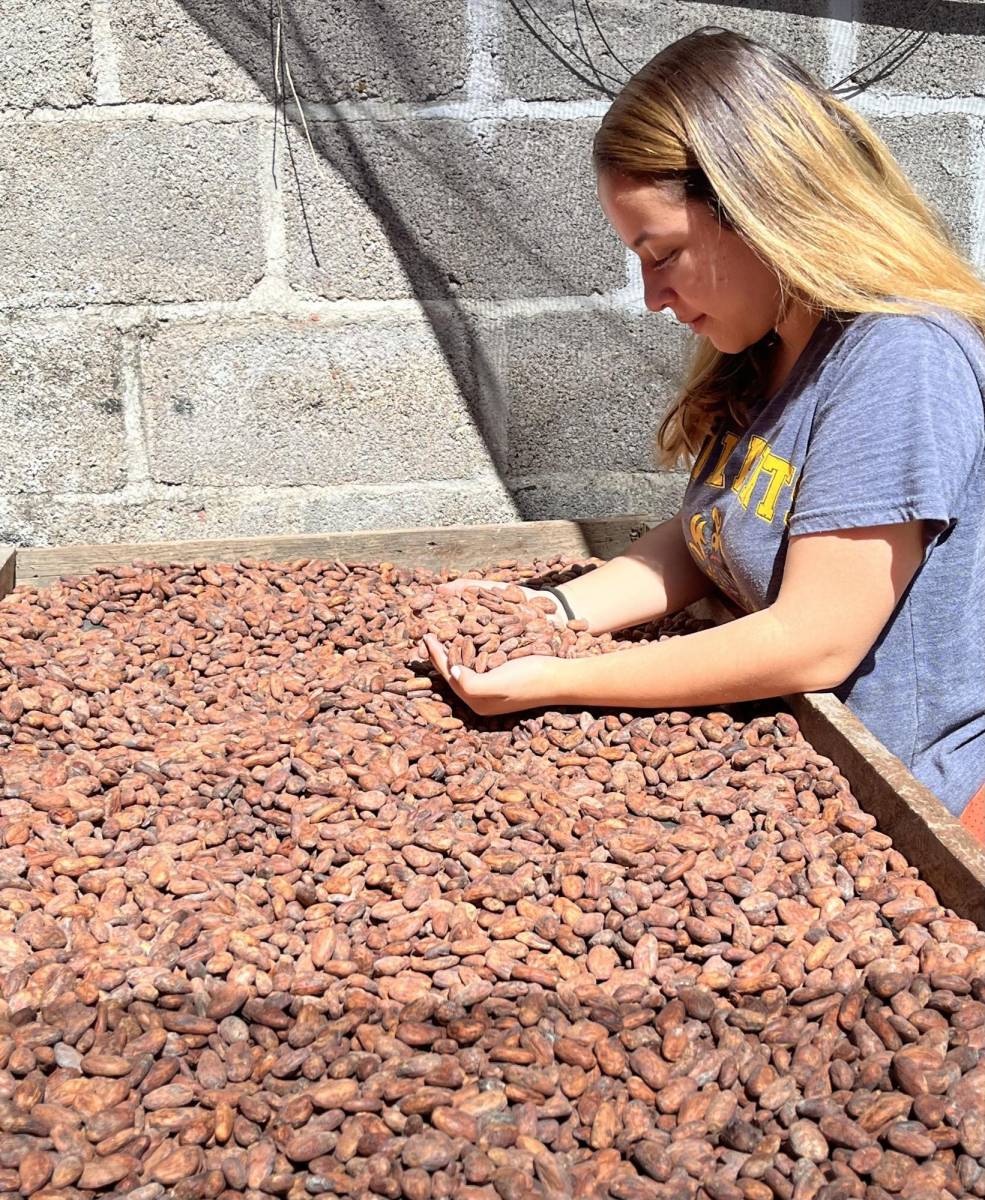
[973,817]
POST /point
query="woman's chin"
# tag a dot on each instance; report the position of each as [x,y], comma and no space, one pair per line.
[723,342]
[719,338]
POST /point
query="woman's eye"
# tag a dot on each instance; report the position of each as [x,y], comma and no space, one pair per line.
[663,262]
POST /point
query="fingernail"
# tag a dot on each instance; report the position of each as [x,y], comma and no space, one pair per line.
[456,672]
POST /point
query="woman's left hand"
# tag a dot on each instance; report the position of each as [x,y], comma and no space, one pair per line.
[523,683]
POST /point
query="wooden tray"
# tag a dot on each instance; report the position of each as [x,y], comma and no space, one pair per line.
[921,827]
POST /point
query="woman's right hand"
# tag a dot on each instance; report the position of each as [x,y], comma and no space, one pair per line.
[455,587]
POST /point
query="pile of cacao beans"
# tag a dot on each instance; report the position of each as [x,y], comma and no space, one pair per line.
[280,917]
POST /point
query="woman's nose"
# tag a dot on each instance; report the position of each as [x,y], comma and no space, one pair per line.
[655,297]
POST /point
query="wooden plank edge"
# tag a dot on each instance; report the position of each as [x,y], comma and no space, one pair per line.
[462,547]
[922,829]
[8,568]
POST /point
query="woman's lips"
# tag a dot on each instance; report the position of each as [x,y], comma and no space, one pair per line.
[696,322]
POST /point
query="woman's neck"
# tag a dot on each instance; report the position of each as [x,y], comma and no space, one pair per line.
[793,334]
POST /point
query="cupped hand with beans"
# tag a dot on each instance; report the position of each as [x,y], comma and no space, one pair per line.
[522,683]
[650,579]
[529,682]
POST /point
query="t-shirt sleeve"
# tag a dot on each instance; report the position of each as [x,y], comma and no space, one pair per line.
[896,437]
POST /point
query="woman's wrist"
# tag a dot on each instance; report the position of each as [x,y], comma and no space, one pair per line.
[555,684]
[564,603]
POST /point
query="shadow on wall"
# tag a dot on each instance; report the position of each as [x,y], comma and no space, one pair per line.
[461,210]
[930,16]
[456,202]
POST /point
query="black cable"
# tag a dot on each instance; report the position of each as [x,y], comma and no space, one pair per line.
[887,68]
[290,153]
[602,39]
[859,85]
[564,45]
[273,68]
[901,58]
[899,51]
[581,42]
[855,72]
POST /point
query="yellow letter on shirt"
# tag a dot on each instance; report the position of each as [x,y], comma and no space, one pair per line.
[717,477]
[760,459]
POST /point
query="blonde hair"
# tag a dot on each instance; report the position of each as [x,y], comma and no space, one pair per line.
[802,179]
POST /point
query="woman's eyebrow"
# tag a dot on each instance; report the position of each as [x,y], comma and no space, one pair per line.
[648,235]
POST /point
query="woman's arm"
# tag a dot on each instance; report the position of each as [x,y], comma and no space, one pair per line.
[837,594]
[655,576]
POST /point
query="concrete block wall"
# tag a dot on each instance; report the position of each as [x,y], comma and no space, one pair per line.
[208,331]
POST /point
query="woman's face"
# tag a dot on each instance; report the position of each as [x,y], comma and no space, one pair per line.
[706,274]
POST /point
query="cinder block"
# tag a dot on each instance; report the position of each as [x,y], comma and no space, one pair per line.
[337,49]
[182,52]
[547,60]
[264,403]
[62,427]
[585,390]
[938,153]
[46,54]
[949,61]
[343,245]
[589,496]
[443,209]
[482,501]
[183,514]
[100,213]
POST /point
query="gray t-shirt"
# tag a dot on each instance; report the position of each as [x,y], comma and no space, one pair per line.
[882,420]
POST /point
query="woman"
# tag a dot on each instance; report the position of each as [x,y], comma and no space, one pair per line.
[833,415]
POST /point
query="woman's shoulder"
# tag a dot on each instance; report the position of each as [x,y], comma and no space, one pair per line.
[893,355]
[933,330]
[891,370]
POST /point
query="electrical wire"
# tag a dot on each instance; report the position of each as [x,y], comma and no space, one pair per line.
[573,55]
[888,60]
[582,59]
[604,41]
[581,40]
[282,72]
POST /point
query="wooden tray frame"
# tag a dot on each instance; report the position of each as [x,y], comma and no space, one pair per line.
[922,829]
